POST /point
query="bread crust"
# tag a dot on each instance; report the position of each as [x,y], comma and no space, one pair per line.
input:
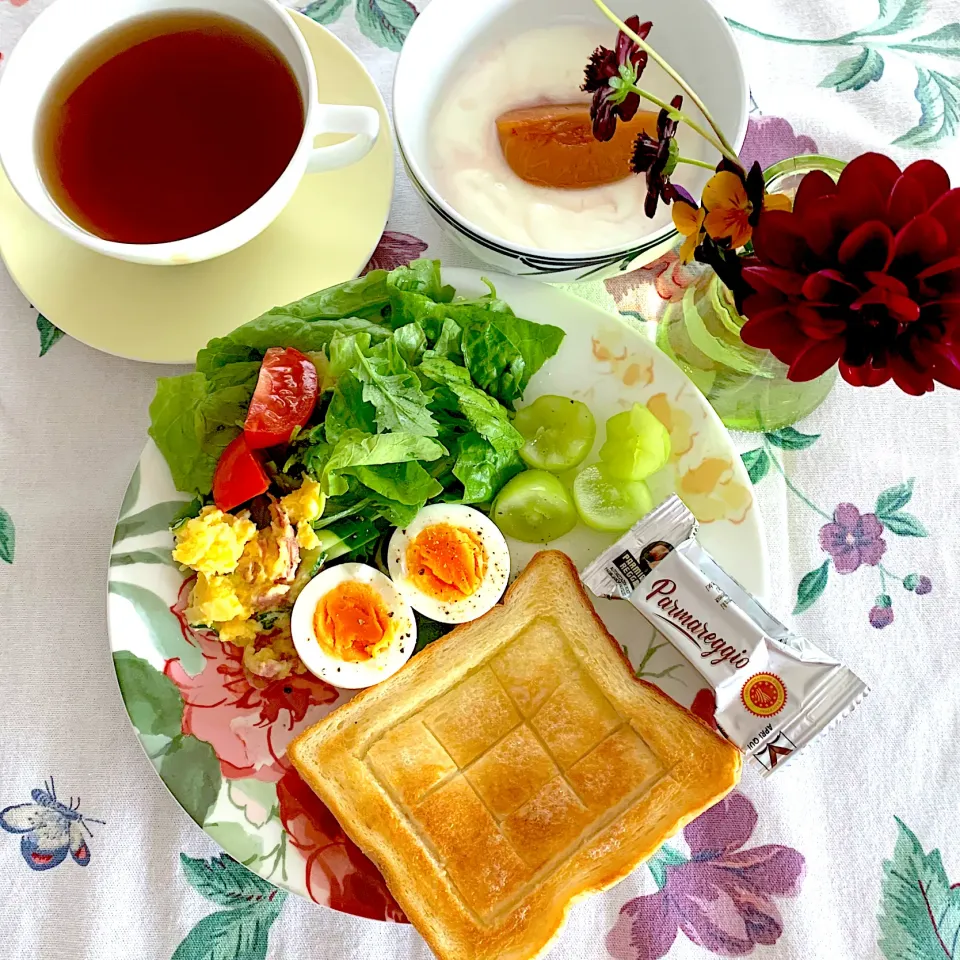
[536,703]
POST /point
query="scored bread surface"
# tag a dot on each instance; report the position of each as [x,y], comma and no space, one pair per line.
[512,767]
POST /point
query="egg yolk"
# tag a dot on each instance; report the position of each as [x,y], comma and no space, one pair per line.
[447,563]
[352,622]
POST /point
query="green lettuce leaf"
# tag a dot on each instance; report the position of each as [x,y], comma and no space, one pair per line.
[397,514]
[482,469]
[447,346]
[407,483]
[486,415]
[355,449]
[410,342]
[420,276]
[251,341]
[348,410]
[388,385]
[307,324]
[192,419]
[502,351]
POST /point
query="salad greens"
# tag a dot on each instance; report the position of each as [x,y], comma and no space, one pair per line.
[416,392]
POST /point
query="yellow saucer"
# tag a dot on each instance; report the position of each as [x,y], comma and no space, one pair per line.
[165,314]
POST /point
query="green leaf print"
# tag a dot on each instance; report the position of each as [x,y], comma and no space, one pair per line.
[49,334]
[386,22]
[225,882]
[893,498]
[937,93]
[245,844]
[151,520]
[325,11]
[153,555]
[855,73]
[161,624]
[904,525]
[944,42]
[939,99]
[8,537]
[664,858]
[257,800]
[242,931]
[230,935]
[919,913]
[152,700]
[811,587]
[757,463]
[787,438]
[894,16]
[191,771]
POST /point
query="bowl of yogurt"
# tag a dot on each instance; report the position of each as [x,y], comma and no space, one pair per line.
[465,65]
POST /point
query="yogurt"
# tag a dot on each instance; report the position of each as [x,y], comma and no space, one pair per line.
[469,170]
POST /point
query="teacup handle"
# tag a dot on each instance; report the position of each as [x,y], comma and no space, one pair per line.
[362,122]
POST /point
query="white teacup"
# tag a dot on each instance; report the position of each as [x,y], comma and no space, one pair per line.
[66,26]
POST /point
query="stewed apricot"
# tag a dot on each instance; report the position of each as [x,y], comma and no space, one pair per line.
[552,145]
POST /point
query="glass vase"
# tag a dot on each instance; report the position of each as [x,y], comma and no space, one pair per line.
[747,387]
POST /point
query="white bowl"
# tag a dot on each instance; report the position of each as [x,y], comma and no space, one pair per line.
[690,34]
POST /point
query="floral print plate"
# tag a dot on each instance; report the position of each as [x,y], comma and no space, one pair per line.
[219,740]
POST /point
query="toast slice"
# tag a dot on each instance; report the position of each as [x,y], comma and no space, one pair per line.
[512,767]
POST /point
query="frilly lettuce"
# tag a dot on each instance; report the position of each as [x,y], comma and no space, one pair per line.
[416,390]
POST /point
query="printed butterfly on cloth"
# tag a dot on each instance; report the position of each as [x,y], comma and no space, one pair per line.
[50,829]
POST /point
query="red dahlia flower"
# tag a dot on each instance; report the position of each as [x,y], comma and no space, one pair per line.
[625,64]
[864,272]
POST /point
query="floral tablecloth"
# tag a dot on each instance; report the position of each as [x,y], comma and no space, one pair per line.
[854,853]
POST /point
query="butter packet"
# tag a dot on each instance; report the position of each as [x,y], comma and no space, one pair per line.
[775,691]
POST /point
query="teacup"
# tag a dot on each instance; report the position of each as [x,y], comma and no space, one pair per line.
[447,36]
[68,25]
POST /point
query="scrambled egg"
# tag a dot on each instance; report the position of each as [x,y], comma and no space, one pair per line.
[243,571]
[303,506]
[213,542]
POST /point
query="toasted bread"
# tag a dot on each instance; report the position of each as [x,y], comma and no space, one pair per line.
[512,767]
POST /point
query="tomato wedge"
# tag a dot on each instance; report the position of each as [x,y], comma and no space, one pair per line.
[285,396]
[239,476]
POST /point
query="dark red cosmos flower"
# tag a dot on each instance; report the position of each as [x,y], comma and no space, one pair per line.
[658,158]
[865,272]
[605,65]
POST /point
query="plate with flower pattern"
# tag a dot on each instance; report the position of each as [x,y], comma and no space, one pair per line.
[217,736]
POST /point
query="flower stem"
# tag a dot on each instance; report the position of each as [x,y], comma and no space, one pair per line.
[695,163]
[790,485]
[683,118]
[843,41]
[884,571]
[727,149]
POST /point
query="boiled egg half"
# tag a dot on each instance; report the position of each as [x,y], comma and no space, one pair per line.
[352,627]
[451,564]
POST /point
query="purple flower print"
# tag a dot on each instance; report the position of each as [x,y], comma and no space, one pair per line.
[881,617]
[721,898]
[917,584]
[770,139]
[853,538]
[395,250]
